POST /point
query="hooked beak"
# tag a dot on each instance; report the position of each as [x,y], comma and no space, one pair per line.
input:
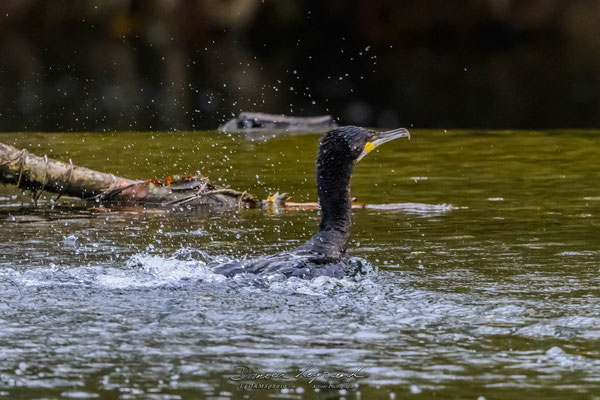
[381,138]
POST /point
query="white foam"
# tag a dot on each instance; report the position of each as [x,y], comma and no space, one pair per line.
[144,271]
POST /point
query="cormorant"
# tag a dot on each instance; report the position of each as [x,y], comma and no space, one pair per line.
[323,254]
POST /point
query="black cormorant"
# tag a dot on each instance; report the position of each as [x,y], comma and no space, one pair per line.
[323,254]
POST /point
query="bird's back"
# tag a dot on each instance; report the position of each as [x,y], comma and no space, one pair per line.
[298,263]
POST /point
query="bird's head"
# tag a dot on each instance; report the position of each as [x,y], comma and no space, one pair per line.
[352,143]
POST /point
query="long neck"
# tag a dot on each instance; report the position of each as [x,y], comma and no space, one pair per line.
[333,187]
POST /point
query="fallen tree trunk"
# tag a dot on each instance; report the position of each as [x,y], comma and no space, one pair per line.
[37,174]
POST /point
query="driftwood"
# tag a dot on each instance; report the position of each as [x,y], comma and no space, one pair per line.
[261,122]
[37,174]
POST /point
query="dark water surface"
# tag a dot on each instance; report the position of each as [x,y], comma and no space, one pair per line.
[482,252]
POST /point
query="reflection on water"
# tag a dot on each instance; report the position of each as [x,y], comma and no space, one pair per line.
[482,251]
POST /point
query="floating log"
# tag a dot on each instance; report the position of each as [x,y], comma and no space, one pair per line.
[37,174]
[261,122]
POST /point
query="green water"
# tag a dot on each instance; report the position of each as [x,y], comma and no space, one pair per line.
[486,247]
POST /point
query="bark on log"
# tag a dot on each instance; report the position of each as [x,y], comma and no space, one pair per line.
[30,172]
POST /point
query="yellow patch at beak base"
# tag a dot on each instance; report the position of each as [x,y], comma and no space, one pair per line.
[369,146]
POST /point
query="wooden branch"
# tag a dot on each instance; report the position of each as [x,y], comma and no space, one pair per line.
[30,172]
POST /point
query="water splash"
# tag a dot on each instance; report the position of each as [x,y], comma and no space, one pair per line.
[185,268]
